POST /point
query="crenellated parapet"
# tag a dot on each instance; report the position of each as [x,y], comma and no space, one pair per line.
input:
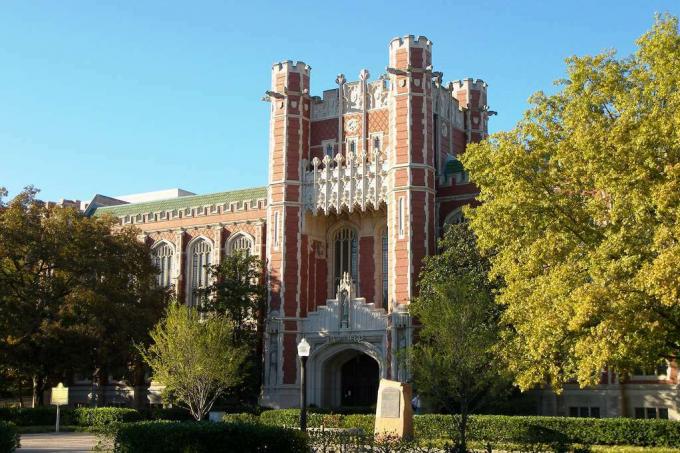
[357,182]
[470,92]
[472,96]
[290,66]
[411,41]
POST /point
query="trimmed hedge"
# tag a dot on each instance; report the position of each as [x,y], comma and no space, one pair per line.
[97,418]
[9,439]
[100,418]
[199,437]
[27,416]
[510,429]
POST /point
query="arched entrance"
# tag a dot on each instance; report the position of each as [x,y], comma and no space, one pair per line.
[345,375]
[359,379]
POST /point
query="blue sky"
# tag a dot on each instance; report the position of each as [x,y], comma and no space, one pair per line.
[134,96]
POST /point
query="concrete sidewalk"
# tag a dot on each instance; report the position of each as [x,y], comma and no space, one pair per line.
[60,442]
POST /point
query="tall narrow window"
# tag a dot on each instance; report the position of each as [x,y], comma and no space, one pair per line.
[436,133]
[162,259]
[327,146]
[276,229]
[200,254]
[376,143]
[346,255]
[385,269]
[401,217]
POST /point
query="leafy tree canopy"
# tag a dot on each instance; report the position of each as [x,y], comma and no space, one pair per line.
[454,362]
[238,293]
[195,357]
[75,292]
[581,207]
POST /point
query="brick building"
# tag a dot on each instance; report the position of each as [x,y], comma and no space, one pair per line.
[362,181]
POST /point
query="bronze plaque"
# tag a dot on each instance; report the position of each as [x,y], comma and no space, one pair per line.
[389,407]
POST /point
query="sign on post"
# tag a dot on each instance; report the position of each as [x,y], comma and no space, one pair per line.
[59,398]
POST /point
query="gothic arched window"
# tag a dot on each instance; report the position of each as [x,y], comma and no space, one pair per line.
[346,255]
[162,255]
[454,218]
[241,243]
[199,262]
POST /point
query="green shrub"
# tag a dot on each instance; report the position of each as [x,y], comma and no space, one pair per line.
[241,418]
[508,429]
[28,416]
[199,437]
[100,418]
[97,418]
[9,439]
[590,431]
[364,422]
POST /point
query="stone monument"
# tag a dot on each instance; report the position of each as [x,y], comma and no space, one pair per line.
[394,414]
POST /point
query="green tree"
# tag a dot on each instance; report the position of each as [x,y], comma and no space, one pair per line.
[194,356]
[75,293]
[238,293]
[454,363]
[581,204]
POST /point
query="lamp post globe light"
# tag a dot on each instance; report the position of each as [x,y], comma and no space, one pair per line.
[303,348]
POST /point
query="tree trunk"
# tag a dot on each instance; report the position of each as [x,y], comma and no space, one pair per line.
[38,391]
[101,386]
[462,445]
[20,384]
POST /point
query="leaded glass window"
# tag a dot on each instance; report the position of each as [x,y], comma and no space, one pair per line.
[162,256]
[200,255]
[241,243]
[346,255]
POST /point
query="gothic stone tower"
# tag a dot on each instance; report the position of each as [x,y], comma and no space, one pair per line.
[362,180]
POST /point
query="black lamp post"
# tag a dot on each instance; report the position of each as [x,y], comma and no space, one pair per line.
[303,352]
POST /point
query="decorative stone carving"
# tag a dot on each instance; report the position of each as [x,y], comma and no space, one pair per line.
[357,182]
[352,101]
[352,125]
[377,94]
[346,313]
[364,74]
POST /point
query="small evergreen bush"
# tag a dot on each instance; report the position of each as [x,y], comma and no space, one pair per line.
[9,439]
[97,417]
[27,416]
[241,418]
[203,437]
[510,429]
[100,418]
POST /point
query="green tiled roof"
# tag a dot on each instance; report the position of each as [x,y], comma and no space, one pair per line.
[184,202]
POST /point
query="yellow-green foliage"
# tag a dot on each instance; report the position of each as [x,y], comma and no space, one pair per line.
[581,211]
[194,356]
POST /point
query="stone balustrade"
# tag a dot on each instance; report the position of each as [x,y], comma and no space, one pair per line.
[355,182]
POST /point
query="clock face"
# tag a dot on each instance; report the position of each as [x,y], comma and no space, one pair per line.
[352,125]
